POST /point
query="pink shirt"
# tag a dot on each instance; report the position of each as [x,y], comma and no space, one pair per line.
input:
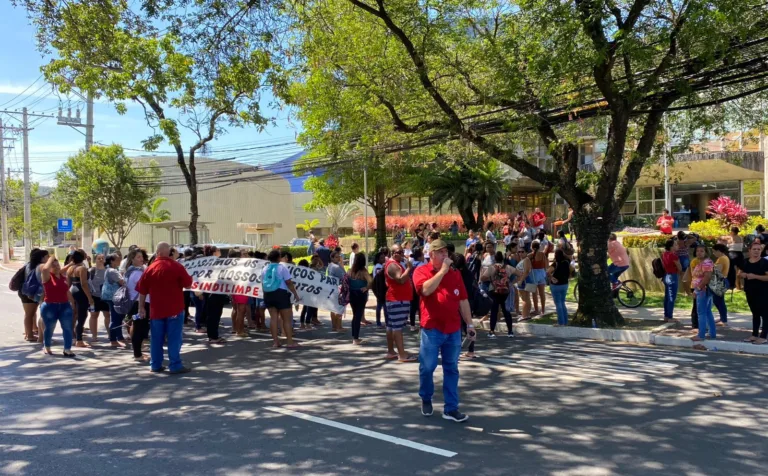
[701,268]
[618,253]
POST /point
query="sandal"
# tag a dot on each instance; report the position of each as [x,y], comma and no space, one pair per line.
[409,359]
[47,351]
[750,339]
[68,354]
[760,341]
[295,345]
[220,340]
[468,357]
[390,357]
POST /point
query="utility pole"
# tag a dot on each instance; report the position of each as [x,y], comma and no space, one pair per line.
[68,120]
[4,200]
[27,191]
[365,205]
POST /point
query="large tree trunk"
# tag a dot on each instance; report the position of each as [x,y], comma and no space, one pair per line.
[480,215]
[194,215]
[469,218]
[380,211]
[595,296]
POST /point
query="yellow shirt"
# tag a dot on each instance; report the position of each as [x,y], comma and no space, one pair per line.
[724,263]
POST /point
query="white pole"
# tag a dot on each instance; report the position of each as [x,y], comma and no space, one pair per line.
[4,201]
[365,208]
[667,149]
[27,193]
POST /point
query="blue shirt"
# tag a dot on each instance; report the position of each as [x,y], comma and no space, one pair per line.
[470,242]
[324,253]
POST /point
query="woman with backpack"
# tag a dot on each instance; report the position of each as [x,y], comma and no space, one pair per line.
[139,327]
[723,266]
[498,276]
[560,272]
[700,272]
[112,281]
[77,278]
[360,282]
[30,303]
[97,276]
[276,282]
[56,306]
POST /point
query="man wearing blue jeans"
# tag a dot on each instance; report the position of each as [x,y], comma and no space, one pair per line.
[443,305]
[164,281]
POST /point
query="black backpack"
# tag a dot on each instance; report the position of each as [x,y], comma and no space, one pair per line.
[658,268]
[380,286]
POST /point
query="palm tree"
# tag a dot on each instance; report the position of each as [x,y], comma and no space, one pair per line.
[481,185]
[308,225]
[339,213]
[153,213]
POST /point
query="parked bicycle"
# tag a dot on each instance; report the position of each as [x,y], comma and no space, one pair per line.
[629,293]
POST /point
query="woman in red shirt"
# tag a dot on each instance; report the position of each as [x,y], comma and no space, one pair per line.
[672,268]
[665,222]
[56,306]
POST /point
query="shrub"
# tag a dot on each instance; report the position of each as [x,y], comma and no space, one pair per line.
[708,228]
[751,224]
[409,222]
[295,250]
[728,212]
[658,241]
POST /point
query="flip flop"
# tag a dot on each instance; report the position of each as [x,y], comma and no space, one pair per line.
[390,357]
[293,346]
[409,359]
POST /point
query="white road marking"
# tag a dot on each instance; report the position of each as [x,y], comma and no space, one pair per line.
[364,432]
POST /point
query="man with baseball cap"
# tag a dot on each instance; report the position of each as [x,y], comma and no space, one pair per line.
[443,304]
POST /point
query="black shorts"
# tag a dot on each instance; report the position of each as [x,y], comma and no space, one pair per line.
[100,305]
[26,300]
[280,299]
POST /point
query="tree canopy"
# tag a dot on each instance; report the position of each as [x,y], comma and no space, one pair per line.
[108,184]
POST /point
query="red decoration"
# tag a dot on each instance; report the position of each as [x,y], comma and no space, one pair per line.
[728,212]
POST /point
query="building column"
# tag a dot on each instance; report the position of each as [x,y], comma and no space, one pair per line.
[764,201]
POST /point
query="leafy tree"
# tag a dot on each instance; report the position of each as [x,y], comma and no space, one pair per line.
[399,75]
[342,183]
[163,56]
[154,213]
[106,182]
[46,211]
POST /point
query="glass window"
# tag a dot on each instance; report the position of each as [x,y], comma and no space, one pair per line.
[645,193]
[658,193]
[587,153]
[646,208]
[265,239]
[404,206]
[752,187]
[629,208]
[424,205]
[752,203]
[659,204]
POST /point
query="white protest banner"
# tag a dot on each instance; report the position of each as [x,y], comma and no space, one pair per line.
[243,276]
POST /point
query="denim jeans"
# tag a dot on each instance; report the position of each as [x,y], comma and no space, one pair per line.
[172,327]
[706,318]
[558,295]
[684,262]
[615,271]
[670,294]
[448,346]
[719,302]
[115,324]
[53,312]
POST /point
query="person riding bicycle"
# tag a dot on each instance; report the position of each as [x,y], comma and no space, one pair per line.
[619,260]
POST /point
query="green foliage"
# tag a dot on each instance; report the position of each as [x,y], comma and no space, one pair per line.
[295,251]
[658,241]
[105,182]
[714,227]
[154,213]
[46,210]
[308,225]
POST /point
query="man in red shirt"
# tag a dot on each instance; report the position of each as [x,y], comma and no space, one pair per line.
[665,222]
[538,218]
[398,303]
[443,305]
[164,281]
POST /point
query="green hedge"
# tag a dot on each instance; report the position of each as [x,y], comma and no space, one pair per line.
[658,241]
[294,250]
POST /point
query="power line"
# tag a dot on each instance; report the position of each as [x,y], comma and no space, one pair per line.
[21,93]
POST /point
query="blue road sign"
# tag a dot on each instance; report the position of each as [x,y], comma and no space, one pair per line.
[65,225]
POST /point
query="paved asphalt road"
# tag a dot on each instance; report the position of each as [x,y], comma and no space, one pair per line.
[538,407]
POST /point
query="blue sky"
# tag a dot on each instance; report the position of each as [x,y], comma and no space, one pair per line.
[50,144]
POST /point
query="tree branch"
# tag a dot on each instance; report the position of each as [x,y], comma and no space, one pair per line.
[400,125]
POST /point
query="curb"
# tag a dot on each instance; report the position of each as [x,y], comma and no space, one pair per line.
[622,335]
[725,346]
[8,269]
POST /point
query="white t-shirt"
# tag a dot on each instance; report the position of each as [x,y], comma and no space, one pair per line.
[282,272]
[490,236]
[351,258]
[133,280]
[377,268]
